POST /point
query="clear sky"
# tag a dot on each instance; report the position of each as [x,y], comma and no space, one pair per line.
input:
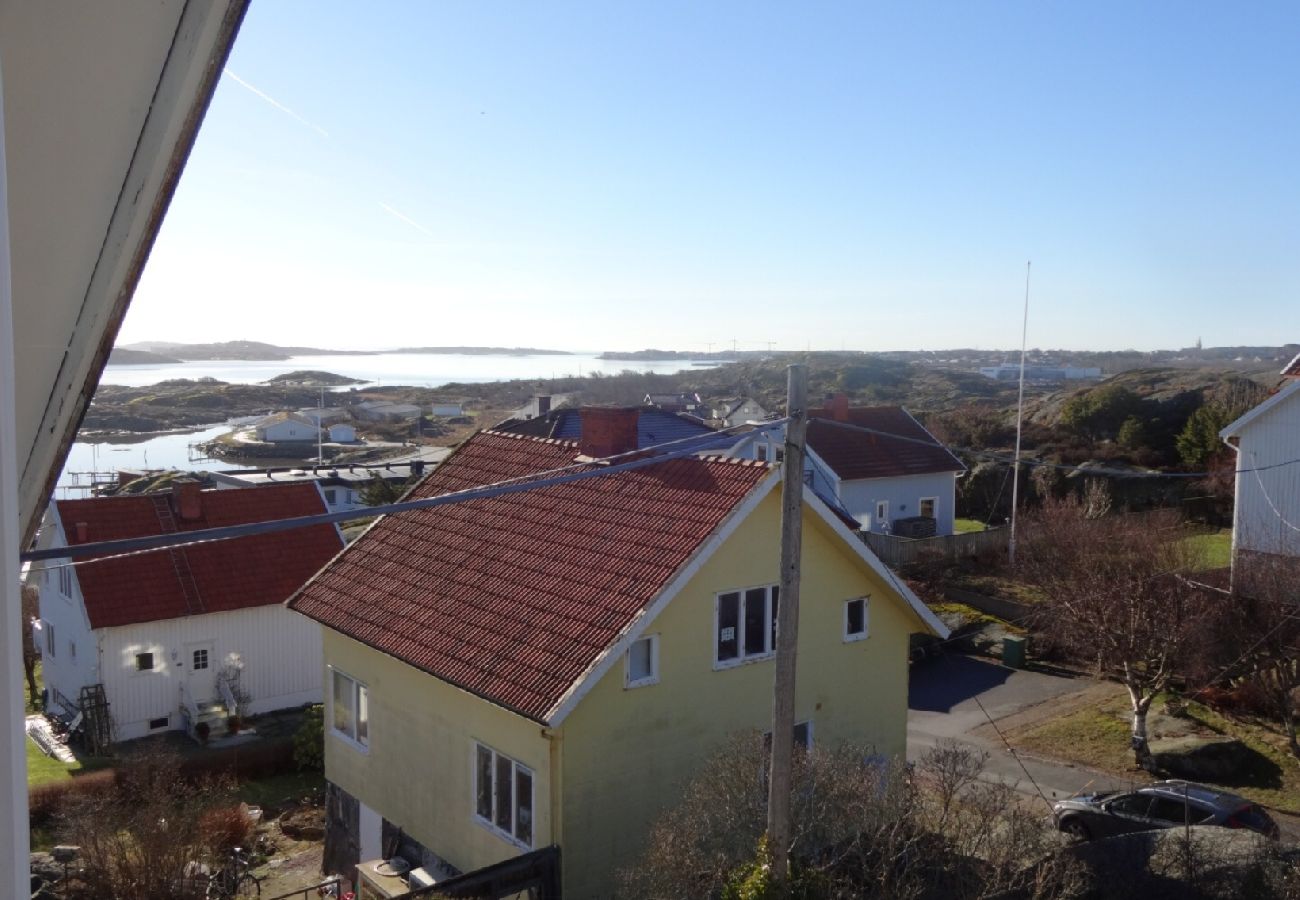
[618,175]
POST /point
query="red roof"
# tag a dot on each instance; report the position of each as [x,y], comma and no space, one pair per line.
[513,598]
[1292,369]
[239,573]
[854,454]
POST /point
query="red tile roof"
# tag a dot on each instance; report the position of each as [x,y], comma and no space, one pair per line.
[1292,369]
[513,598]
[853,454]
[256,570]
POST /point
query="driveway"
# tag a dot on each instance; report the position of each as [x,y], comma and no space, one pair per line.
[945,700]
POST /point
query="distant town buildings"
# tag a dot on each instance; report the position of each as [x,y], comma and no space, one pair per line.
[1038,372]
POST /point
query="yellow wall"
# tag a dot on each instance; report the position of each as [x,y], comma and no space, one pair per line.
[418,770]
[627,752]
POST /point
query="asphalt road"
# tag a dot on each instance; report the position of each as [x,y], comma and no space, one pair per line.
[945,700]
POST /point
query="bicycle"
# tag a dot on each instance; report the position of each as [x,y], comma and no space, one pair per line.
[233,879]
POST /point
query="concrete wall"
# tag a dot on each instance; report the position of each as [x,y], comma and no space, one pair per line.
[627,752]
[417,771]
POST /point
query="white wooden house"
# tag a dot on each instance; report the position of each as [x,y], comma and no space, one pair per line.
[190,634]
[343,433]
[737,411]
[1266,517]
[287,426]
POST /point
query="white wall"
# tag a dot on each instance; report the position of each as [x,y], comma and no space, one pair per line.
[67,670]
[904,496]
[288,431]
[1272,438]
[280,652]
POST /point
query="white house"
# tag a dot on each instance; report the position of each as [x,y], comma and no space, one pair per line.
[323,415]
[1266,520]
[448,409]
[878,465]
[190,634]
[737,411]
[287,426]
[342,433]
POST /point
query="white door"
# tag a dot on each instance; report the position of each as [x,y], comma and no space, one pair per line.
[201,666]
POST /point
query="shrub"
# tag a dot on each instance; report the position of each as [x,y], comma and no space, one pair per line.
[309,740]
[223,828]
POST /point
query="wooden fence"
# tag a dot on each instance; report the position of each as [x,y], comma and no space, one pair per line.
[897,552]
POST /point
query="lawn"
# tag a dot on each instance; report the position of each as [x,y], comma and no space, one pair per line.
[275,791]
[1214,547]
[964,525]
[1098,737]
[42,769]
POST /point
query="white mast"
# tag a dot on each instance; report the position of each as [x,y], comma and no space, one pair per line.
[1020,415]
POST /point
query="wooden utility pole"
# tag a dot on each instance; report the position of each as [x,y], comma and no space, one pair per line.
[787,625]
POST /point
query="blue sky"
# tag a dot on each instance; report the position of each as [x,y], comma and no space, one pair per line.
[620,175]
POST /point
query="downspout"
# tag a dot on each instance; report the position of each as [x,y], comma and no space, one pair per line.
[555,736]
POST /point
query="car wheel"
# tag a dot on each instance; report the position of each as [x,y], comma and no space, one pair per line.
[1075,830]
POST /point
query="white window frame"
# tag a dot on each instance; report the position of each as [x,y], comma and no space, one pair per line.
[920,507]
[653,677]
[154,659]
[65,581]
[741,657]
[515,768]
[866,619]
[51,645]
[882,512]
[360,694]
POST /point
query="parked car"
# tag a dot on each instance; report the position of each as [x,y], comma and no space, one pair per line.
[1165,804]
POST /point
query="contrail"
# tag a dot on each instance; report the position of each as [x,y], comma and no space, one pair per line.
[407,219]
[277,104]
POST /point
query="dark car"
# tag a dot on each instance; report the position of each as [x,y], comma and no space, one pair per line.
[1165,804]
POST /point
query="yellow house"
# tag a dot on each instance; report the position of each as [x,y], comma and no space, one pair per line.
[549,667]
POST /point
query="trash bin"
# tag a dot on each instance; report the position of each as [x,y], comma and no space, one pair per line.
[1013,651]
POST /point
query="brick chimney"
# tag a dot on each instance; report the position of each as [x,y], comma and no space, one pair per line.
[839,407]
[607,432]
[187,500]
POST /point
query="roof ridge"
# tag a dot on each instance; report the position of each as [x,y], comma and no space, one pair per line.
[735,461]
[559,442]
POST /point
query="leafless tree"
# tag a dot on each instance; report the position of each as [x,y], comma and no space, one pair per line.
[863,829]
[1114,595]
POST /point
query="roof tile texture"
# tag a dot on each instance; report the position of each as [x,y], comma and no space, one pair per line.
[514,597]
[256,570]
[854,454]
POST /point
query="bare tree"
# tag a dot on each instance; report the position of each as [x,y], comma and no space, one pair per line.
[1114,595]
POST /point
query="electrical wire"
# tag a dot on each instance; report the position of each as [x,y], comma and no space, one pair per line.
[117,549]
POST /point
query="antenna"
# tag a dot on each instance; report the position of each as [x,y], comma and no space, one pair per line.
[1020,415]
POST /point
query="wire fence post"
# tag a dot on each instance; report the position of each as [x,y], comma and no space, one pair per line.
[787,628]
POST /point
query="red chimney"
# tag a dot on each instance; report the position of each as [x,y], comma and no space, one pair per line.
[187,500]
[608,432]
[840,407]
[83,532]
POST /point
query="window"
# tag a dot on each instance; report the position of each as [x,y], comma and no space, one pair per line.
[72,649]
[144,662]
[200,659]
[49,639]
[882,512]
[1131,805]
[928,507]
[155,724]
[65,580]
[1176,812]
[745,624]
[329,496]
[351,702]
[503,795]
[643,662]
[855,619]
[760,452]
[802,737]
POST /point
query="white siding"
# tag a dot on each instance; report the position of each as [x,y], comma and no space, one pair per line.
[1267,516]
[288,431]
[280,652]
[66,670]
[904,496]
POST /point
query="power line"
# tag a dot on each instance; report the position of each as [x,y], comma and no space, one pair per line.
[547,478]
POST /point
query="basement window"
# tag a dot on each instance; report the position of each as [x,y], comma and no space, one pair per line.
[144,662]
[155,724]
[855,619]
[745,625]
